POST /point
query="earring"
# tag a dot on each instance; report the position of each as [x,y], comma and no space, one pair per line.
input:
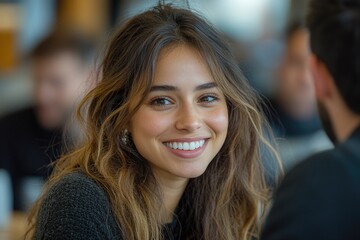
[125,136]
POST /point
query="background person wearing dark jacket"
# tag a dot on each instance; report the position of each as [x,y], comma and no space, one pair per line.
[31,139]
[319,199]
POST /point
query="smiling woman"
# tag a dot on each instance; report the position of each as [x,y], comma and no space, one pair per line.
[186,117]
[173,134]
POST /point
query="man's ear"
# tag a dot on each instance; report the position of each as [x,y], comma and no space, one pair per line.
[322,78]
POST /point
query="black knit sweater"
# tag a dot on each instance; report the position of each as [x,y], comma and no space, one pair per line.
[77,208]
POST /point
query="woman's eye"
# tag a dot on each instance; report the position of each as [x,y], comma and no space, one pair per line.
[161,102]
[208,99]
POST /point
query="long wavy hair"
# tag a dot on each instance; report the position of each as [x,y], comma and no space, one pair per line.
[228,201]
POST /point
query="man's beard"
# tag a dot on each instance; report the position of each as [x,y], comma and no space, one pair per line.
[326,123]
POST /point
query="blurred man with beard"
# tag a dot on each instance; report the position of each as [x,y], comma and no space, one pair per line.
[32,138]
[319,199]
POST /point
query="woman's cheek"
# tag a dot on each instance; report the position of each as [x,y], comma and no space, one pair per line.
[218,120]
[150,122]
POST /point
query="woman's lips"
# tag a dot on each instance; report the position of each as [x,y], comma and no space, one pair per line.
[187,148]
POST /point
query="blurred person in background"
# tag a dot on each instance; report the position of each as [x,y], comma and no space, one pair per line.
[294,100]
[292,114]
[31,139]
[319,198]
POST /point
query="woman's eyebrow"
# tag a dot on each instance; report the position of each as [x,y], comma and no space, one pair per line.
[163,88]
[206,86]
[174,88]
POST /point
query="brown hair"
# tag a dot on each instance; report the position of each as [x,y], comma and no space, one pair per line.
[226,202]
[56,42]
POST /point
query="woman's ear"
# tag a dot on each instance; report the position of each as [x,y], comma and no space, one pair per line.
[322,78]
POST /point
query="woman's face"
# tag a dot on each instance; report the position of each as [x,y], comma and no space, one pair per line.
[183,122]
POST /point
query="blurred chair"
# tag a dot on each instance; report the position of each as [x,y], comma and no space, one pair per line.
[30,190]
[5,198]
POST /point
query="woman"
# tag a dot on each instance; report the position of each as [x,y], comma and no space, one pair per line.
[172,145]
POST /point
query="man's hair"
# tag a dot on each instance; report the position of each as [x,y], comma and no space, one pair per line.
[292,28]
[334,27]
[81,46]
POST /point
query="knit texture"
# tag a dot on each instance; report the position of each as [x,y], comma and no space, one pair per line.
[76,208]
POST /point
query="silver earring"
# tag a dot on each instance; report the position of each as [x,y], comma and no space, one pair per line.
[125,136]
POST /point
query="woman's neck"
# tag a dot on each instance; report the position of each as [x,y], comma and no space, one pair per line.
[172,189]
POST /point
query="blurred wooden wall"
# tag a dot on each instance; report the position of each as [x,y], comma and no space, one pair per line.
[86,16]
[9,28]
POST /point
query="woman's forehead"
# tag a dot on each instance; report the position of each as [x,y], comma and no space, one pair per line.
[181,65]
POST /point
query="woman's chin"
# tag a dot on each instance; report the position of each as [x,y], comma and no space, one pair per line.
[192,173]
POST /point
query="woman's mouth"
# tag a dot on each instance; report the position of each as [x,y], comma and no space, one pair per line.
[187,148]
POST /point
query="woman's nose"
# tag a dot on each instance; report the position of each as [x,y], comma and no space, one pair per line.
[188,119]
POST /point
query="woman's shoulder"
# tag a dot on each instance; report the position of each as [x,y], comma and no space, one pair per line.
[77,184]
[76,207]
[77,189]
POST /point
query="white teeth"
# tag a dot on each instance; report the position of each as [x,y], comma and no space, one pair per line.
[186,146]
